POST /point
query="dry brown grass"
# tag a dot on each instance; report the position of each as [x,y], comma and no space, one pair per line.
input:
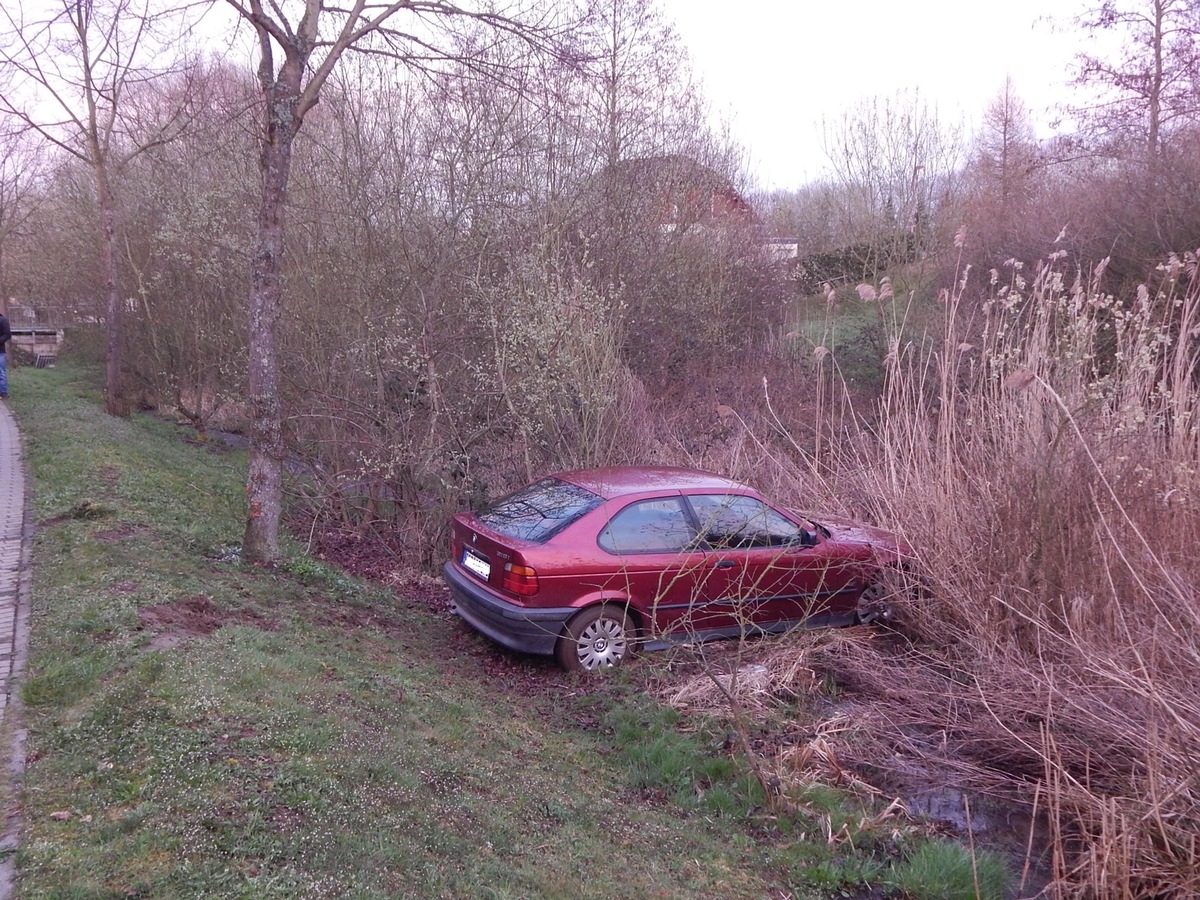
[1047,468]
[1043,456]
[1062,525]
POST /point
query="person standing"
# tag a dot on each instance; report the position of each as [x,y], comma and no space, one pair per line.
[5,334]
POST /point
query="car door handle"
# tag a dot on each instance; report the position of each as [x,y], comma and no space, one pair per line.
[725,564]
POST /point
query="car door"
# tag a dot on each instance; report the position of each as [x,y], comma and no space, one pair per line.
[662,567]
[778,573]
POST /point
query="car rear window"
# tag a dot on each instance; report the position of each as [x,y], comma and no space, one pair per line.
[540,511]
[650,526]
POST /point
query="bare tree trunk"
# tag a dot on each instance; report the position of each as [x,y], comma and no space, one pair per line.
[116,403]
[264,482]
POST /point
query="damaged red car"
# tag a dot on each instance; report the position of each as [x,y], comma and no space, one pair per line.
[592,564]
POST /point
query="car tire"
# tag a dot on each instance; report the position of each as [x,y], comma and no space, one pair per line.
[595,638]
[880,600]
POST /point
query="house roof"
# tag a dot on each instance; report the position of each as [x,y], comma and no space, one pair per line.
[676,191]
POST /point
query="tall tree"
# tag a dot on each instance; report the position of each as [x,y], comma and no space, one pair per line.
[1151,83]
[1141,119]
[1005,148]
[1002,172]
[300,42]
[642,97]
[19,171]
[76,69]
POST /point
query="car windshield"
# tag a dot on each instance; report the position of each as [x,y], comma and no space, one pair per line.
[540,511]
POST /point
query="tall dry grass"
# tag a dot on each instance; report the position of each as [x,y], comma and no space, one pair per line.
[1043,457]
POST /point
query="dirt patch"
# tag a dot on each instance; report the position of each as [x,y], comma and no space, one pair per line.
[380,559]
[120,533]
[349,617]
[372,558]
[84,510]
[421,590]
[193,617]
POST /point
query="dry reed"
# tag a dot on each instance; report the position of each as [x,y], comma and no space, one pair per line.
[1047,467]
[1043,456]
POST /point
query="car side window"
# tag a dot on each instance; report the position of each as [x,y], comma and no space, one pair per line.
[649,526]
[730,520]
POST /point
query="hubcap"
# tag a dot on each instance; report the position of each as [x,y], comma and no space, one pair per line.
[602,643]
[875,603]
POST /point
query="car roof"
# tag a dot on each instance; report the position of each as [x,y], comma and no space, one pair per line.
[618,481]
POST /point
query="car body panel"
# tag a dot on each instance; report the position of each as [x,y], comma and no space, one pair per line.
[795,583]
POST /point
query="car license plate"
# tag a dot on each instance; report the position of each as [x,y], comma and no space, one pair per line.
[477,564]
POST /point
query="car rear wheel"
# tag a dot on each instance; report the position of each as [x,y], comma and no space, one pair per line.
[598,637]
[879,600]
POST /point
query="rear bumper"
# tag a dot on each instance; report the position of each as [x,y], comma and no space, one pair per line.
[516,627]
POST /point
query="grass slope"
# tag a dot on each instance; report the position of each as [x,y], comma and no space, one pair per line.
[198,729]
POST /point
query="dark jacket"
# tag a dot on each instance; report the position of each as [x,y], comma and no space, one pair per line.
[5,333]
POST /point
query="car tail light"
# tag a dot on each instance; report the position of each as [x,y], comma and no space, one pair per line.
[521,580]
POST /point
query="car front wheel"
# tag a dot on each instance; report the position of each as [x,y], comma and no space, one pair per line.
[879,600]
[598,637]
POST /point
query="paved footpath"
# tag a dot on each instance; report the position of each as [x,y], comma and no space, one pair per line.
[15,548]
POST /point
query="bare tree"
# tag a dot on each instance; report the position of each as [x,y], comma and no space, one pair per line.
[1005,149]
[19,170]
[299,45]
[75,74]
[1151,85]
[897,163]
[641,92]
[1002,175]
[1139,126]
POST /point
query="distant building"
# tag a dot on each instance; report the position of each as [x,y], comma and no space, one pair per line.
[781,249]
[670,193]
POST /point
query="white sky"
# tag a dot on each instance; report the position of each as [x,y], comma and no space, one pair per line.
[775,68]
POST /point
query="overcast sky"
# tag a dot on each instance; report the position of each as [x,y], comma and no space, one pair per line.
[777,67]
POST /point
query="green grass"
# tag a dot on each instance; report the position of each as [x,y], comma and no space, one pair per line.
[940,870]
[680,766]
[201,729]
[856,333]
[327,739]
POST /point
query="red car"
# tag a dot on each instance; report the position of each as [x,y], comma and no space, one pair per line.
[588,564]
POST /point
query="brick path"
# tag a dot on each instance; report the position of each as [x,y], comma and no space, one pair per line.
[15,547]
